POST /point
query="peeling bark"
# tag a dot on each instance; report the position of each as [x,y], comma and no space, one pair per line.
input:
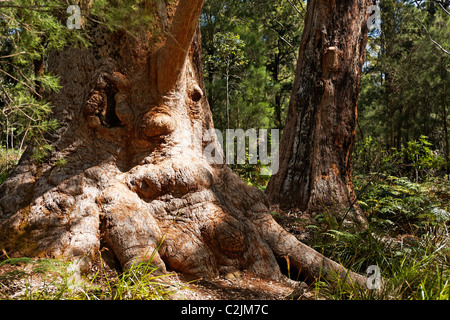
[135,179]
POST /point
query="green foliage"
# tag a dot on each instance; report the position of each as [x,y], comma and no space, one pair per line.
[137,283]
[251,174]
[115,15]
[229,53]
[416,159]
[398,205]
[61,162]
[29,30]
[250,50]
[48,279]
[228,60]
[404,91]
[407,239]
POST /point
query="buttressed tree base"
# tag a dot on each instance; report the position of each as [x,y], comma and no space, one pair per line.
[134,178]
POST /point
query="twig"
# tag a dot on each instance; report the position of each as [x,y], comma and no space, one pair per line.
[24,137]
[6,93]
[13,55]
[24,113]
[442,7]
[24,83]
[301,13]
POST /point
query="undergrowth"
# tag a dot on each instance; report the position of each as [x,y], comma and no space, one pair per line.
[407,238]
[46,279]
[8,159]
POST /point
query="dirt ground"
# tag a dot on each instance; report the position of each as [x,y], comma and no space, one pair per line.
[246,287]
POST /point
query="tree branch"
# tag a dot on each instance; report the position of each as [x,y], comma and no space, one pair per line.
[172,55]
[437,44]
[13,55]
[442,7]
[301,13]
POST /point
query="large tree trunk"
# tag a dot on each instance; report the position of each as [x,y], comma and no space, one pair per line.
[317,144]
[135,179]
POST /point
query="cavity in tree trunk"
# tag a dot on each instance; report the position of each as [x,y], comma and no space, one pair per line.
[135,180]
[317,144]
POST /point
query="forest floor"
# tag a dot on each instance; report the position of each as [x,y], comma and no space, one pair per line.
[246,286]
[17,282]
[26,278]
[412,251]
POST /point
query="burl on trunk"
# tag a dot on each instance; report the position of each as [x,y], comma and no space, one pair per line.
[135,179]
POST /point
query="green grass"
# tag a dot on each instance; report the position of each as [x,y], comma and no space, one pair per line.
[137,283]
[406,239]
[47,279]
[8,159]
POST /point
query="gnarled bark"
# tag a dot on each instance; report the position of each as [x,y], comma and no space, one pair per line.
[135,179]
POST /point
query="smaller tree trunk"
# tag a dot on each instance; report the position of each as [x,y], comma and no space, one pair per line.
[317,144]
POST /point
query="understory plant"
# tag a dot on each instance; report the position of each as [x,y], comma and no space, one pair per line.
[407,239]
